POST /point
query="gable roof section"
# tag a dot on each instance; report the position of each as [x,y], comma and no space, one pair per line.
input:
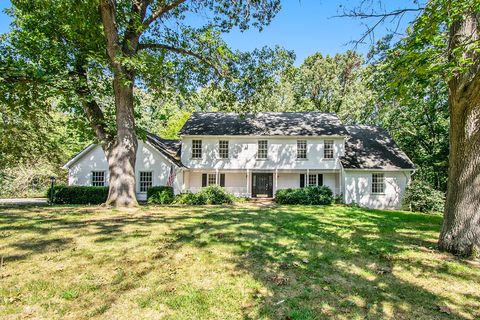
[263,124]
[371,147]
[171,149]
[79,155]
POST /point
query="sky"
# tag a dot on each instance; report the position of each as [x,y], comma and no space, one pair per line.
[304,26]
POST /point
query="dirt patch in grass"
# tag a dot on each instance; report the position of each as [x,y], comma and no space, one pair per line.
[244,262]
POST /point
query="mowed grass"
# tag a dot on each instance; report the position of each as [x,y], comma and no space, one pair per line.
[238,262]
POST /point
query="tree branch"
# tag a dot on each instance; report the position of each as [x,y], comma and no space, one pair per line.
[161,11]
[109,21]
[92,110]
[356,13]
[184,52]
[362,15]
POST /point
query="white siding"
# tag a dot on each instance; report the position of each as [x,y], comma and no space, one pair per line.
[148,159]
[282,154]
[358,189]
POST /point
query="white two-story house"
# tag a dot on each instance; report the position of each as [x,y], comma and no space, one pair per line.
[254,155]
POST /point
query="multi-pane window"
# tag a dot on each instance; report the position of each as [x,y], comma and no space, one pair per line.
[196,149]
[301,149]
[328,149]
[98,178]
[223,149]
[312,180]
[378,183]
[262,149]
[146,180]
[211,179]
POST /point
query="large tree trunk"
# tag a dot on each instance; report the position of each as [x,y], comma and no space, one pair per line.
[461,226]
[121,154]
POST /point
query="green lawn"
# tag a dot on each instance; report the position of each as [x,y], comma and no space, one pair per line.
[240,262]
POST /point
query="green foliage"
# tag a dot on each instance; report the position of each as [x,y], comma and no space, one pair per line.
[160,195]
[208,195]
[415,113]
[338,199]
[421,197]
[322,195]
[190,199]
[78,194]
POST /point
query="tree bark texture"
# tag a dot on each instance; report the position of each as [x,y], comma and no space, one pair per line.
[461,226]
[121,152]
[121,155]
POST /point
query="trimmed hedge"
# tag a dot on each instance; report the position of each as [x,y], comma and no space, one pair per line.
[78,194]
[421,197]
[160,195]
[208,195]
[308,196]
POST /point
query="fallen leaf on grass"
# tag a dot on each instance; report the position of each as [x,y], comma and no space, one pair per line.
[444,309]
[279,279]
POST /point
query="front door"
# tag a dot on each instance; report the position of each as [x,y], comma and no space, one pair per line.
[262,185]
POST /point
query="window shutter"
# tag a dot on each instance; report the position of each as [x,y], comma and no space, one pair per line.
[222,179]
[204,180]
[320,179]
[302,180]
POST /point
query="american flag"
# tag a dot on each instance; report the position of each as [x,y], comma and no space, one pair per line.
[171,177]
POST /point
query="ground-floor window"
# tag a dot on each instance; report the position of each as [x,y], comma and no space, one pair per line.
[98,178]
[378,183]
[311,180]
[212,179]
[146,180]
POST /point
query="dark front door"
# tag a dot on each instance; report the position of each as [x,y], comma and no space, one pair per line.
[262,185]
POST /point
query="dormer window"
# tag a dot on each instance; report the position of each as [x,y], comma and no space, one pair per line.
[328,149]
[262,152]
[196,149]
[223,149]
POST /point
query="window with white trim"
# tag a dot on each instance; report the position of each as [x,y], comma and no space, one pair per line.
[98,178]
[328,149]
[146,180]
[211,179]
[378,183]
[223,149]
[262,152]
[196,149]
[312,180]
[301,149]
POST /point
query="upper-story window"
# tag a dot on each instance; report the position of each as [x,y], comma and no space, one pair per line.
[196,149]
[223,149]
[328,149]
[262,152]
[301,149]
[378,183]
[98,178]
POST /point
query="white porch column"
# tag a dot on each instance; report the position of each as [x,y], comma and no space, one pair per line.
[248,183]
[217,177]
[306,178]
[275,183]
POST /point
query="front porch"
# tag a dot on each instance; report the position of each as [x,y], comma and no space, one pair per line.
[260,183]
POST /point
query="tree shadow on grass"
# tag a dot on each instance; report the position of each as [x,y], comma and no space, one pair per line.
[314,263]
[316,268]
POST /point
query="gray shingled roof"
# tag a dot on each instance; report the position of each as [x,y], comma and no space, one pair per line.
[171,149]
[264,124]
[371,147]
